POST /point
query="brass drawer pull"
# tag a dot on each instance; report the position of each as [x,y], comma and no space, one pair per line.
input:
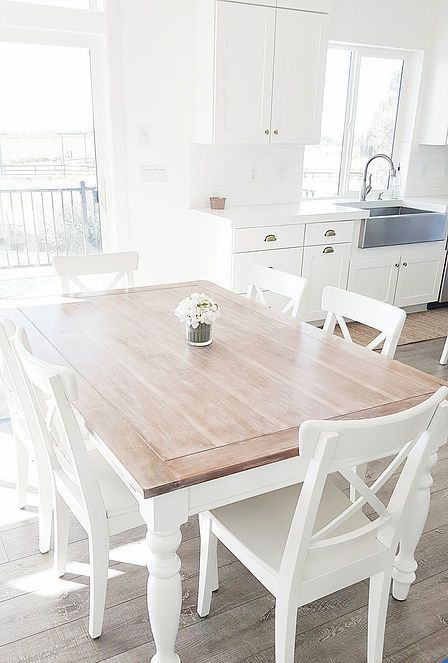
[270,238]
[328,249]
[330,233]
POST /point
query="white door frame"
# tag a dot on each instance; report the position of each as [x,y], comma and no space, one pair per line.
[22,22]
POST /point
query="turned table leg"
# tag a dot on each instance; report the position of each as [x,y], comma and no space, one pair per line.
[164,516]
[405,564]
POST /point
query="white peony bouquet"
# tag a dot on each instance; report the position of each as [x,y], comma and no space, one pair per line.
[197,309]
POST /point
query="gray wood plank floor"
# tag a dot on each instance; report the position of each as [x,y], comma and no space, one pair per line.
[44,619]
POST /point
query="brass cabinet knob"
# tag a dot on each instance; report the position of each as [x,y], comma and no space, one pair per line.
[270,238]
[328,249]
[330,233]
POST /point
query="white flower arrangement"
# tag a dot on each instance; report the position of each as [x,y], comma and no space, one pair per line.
[197,309]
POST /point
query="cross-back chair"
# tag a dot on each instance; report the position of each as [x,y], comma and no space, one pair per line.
[27,435]
[387,319]
[260,279]
[306,541]
[83,481]
[70,268]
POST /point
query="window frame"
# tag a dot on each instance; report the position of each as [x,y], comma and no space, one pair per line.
[357,52]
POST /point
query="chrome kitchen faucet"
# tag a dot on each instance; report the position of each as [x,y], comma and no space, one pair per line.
[367,188]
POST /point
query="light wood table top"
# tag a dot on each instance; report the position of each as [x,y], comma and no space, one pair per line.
[173,415]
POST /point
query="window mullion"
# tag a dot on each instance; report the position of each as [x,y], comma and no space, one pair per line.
[350,116]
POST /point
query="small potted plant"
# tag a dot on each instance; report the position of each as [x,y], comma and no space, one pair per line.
[197,312]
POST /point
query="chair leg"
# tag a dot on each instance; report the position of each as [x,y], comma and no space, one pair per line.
[285,630]
[45,511]
[208,569]
[444,357]
[22,464]
[61,531]
[361,471]
[99,565]
[378,600]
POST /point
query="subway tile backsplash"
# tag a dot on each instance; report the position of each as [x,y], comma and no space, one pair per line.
[245,174]
[428,171]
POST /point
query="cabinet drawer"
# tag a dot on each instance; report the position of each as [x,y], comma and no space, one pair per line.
[337,232]
[267,238]
[287,260]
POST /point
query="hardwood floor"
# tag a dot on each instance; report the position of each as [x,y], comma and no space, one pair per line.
[44,619]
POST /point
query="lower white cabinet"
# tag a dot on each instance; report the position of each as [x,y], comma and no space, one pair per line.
[375,276]
[323,265]
[286,260]
[407,278]
[419,277]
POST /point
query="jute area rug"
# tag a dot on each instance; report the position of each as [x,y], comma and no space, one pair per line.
[421,326]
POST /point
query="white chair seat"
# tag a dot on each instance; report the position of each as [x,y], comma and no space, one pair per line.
[118,500]
[121,507]
[265,545]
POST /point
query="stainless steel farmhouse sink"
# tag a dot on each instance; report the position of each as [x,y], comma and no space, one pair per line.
[395,224]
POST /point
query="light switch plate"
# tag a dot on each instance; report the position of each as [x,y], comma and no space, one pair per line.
[154,174]
[143,136]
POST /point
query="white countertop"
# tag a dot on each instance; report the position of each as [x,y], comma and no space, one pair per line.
[306,211]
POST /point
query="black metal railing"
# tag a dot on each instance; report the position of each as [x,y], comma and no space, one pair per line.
[38,224]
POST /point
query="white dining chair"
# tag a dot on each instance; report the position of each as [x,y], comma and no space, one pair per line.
[27,436]
[260,279]
[387,319]
[307,541]
[70,268]
[444,357]
[83,481]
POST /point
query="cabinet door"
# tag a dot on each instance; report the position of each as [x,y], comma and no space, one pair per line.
[323,265]
[245,37]
[420,276]
[375,276]
[286,260]
[299,76]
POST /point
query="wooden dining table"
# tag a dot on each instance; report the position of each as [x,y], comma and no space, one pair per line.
[189,428]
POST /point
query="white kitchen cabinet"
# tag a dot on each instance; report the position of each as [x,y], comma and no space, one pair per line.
[244,66]
[260,72]
[375,276]
[323,265]
[420,276]
[434,129]
[299,73]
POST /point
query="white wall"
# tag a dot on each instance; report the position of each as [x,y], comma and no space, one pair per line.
[392,23]
[157,43]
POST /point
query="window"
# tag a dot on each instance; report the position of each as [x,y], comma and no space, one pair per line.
[361,102]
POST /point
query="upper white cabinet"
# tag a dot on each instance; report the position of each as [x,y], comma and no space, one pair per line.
[299,72]
[244,66]
[435,106]
[260,71]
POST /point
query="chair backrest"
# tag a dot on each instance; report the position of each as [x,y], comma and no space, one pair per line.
[70,268]
[260,278]
[387,319]
[411,437]
[18,395]
[55,388]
